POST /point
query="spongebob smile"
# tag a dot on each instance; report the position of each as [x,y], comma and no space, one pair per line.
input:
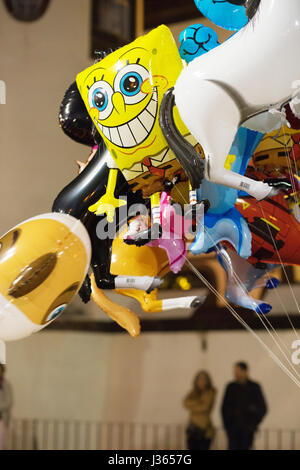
[134,132]
[123,92]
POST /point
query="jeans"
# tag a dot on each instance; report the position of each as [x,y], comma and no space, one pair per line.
[3,431]
[240,439]
[198,444]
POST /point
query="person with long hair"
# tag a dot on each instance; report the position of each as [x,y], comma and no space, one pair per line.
[199,402]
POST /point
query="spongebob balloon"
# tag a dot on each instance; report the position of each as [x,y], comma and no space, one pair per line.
[123,93]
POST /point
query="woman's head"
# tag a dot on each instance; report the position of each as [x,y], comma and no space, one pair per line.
[202,381]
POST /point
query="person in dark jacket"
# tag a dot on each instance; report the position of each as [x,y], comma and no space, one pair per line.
[243,409]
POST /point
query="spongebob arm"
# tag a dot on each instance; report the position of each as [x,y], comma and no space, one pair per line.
[107,204]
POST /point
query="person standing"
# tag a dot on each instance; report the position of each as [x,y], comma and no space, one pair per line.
[6,401]
[199,402]
[243,409]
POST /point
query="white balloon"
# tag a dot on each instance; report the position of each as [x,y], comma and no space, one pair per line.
[253,71]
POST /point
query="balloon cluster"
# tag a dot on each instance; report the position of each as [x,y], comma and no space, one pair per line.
[150,192]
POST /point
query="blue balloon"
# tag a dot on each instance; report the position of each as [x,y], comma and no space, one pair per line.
[227,14]
[223,221]
[196,40]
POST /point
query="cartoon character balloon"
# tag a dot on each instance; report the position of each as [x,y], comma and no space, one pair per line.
[123,93]
[229,14]
[196,40]
[43,262]
[279,152]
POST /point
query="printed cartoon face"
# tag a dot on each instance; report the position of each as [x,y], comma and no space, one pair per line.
[196,40]
[279,152]
[43,262]
[123,93]
[229,14]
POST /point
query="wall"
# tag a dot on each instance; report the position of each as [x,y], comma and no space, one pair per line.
[38,61]
[115,378]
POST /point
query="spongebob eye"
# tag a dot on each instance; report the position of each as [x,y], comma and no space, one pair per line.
[100,94]
[129,82]
[100,99]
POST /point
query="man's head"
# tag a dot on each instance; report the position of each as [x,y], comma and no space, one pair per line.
[240,371]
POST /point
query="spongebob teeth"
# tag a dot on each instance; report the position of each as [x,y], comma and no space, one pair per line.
[151,108]
[140,132]
[147,120]
[115,136]
[106,132]
[126,136]
[134,132]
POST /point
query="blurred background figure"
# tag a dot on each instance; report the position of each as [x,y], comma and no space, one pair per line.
[199,402]
[6,402]
[243,409]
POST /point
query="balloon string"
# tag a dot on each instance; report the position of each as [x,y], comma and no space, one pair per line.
[261,318]
[242,322]
[285,140]
[280,259]
[284,308]
[288,159]
[238,280]
[247,293]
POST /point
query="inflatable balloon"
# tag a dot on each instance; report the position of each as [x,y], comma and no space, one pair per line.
[223,221]
[76,198]
[279,152]
[73,118]
[242,278]
[123,95]
[143,261]
[43,262]
[275,231]
[196,40]
[229,14]
[125,108]
[217,92]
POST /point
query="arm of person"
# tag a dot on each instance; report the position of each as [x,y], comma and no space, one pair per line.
[261,404]
[199,404]
[189,400]
[227,407]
